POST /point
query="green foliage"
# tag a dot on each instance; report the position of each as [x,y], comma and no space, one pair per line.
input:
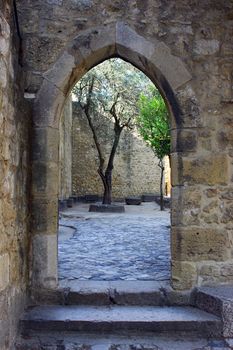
[153,123]
[110,90]
[115,82]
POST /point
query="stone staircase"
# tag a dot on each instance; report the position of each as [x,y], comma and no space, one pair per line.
[123,315]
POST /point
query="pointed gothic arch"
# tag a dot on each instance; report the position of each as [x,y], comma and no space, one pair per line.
[85,51]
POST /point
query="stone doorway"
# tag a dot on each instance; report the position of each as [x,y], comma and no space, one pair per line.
[166,72]
[135,244]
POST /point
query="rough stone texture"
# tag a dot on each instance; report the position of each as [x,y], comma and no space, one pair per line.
[187,52]
[107,208]
[121,318]
[131,341]
[136,168]
[65,152]
[156,293]
[14,175]
[219,301]
[192,66]
[46,259]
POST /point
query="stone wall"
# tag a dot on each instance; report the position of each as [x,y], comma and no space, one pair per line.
[65,152]
[14,175]
[136,168]
[185,47]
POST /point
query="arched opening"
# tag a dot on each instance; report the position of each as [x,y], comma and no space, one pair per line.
[165,71]
[104,246]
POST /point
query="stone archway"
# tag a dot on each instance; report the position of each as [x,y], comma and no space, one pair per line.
[85,51]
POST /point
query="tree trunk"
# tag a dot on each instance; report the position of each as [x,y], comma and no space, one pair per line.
[107,178]
[107,198]
[161,184]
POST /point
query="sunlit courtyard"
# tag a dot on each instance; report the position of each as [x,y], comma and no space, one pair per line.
[134,245]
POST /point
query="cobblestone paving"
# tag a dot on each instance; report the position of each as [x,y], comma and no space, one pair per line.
[130,246]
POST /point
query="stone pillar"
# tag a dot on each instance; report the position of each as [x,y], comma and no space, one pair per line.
[65,151]
[44,221]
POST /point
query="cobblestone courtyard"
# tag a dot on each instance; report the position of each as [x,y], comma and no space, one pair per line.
[134,245]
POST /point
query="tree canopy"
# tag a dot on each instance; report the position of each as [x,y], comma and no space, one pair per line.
[113,90]
[110,90]
[153,125]
[115,82]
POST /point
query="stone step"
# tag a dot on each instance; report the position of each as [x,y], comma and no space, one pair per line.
[36,340]
[217,300]
[139,293]
[117,318]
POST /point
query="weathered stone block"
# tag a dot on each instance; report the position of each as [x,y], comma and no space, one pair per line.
[184,275]
[197,244]
[44,215]
[212,273]
[48,106]
[4,271]
[107,208]
[219,301]
[60,72]
[65,151]
[227,193]
[44,250]
[33,81]
[9,213]
[213,205]
[45,178]
[183,140]
[206,47]
[176,166]
[169,65]
[42,51]
[189,115]
[225,139]
[211,192]
[3,73]
[4,36]
[94,45]
[227,215]
[45,144]
[127,38]
[211,170]
[186,205]
[227,315]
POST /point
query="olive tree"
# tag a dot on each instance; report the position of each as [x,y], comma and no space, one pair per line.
[111,90]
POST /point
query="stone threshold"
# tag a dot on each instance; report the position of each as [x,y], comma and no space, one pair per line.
[77,292]
[116,318]
[123,340]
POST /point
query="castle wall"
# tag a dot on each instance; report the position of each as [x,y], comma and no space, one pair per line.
[135,170]
[14,181]
[186,50]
